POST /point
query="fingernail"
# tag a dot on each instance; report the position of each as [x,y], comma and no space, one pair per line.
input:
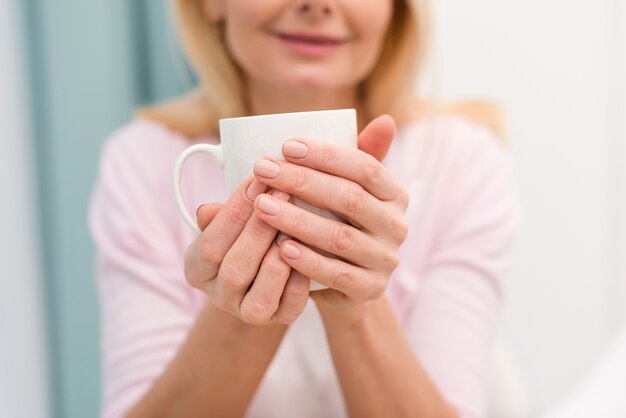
[280,195]
[198,210]
[254,189]
[295,149]
[266,168]
[291,251]
[268,205]
[282,237]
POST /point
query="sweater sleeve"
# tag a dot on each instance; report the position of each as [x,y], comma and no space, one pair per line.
[452,320]
[144,299]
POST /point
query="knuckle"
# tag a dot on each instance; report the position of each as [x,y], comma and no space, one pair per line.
[391,259]
[237,214]
[403,199]
[328,155]
[232,278]
[201,263]
[344,278]
[401,229]
[342,239]
[372,171]
[313,266]
[294,222]
[293,302]
[259,229]
[275,268]
[209,256]
[253,311]
[355,198]
[300,179]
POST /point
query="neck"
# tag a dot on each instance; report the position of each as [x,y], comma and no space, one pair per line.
[265,99]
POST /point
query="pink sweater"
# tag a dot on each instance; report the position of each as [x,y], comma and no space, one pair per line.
[446,292]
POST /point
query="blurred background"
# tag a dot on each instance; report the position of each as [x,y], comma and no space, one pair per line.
[72,72]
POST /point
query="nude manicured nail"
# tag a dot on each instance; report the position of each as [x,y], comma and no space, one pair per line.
[295,149]
[254,189]
[269,205]
[291,251]
[266,168]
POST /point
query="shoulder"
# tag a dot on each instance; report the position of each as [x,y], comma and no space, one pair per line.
[141,138]
[141,150]
[444,145]
[451,134]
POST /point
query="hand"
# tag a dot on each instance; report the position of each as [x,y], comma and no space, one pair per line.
[354,185]
[236,262]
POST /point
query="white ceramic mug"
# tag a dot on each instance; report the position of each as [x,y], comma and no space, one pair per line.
[245,140]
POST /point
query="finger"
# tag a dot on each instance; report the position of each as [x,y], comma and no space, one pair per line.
[329,235]
[336,194]
[241,263]
[376,138]
[351,164]
[204,256]
[261,302]
[205,214]
[356,283]
[294,298]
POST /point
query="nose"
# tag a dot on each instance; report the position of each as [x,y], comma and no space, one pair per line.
[315,8]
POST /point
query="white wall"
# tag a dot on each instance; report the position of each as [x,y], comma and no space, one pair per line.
[23,372]
[555,66]
[618,27]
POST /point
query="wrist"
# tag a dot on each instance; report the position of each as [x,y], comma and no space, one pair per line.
[348,315]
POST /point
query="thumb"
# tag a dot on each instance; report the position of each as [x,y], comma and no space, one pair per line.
[206,213]
[376,138]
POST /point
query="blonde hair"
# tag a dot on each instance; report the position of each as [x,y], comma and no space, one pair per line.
[389,88]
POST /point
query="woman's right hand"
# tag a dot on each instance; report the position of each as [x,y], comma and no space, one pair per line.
[236,262]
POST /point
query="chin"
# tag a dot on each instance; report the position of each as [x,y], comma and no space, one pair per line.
[313,81]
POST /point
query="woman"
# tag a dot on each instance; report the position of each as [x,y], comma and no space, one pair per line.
[222,324]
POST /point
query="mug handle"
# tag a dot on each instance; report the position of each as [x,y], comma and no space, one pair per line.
[214,151]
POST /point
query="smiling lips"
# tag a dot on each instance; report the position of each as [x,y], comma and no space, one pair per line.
[312,45]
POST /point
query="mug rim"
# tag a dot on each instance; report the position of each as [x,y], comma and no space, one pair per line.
[290,114]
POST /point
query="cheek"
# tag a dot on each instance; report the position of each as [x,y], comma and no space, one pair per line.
[250,52]
[370,24]
[245,35]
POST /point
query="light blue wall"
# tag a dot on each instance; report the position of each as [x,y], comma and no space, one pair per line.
[91,62]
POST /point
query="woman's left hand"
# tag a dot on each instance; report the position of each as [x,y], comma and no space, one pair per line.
[354,185]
